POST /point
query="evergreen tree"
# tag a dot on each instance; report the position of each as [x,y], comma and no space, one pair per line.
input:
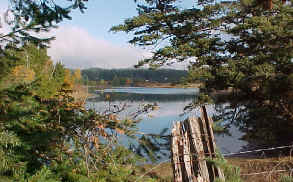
[244,45]
[27,18]
[77,75]
[47,135]
[116,81]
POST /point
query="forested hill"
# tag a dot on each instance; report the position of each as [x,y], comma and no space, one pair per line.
[134,75]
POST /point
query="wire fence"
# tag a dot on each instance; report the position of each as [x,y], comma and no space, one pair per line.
[258,150]
[240,153]
[266,172]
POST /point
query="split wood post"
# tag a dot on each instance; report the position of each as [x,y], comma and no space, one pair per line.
[211,141]
[199,147]
[193,153]
[192,143]
[175,142]
[187,156]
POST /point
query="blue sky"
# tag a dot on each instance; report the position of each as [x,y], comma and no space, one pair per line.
[101,15]
[85,41]
[91,43]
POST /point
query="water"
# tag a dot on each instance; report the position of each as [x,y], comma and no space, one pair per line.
[152,91]
[171,102]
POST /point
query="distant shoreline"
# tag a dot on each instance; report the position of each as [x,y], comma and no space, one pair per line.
[168,85]
[150,85]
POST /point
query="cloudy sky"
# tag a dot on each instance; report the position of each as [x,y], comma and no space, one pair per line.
[85,41]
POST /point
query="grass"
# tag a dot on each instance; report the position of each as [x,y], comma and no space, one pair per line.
[273,168]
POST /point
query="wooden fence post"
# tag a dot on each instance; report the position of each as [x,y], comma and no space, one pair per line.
[192,143]
[175,152]
[211,141]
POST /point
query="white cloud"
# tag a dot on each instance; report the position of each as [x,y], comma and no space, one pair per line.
[3,6]
[4,28]
[76,48]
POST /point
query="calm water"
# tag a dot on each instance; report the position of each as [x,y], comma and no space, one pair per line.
[153,91]
[171,102]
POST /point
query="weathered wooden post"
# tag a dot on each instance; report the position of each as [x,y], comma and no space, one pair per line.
[175,143]
[207,123]
[193,142]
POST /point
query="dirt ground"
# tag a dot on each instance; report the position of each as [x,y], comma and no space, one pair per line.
[252,169]
[263,170]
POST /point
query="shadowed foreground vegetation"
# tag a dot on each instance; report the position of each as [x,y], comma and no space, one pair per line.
[47,134]
[249,169]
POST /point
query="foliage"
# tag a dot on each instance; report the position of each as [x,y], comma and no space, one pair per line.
[77,75]
[286,179]
[27,18]
[132,76]
[231,173]
[23,74]
[116,81]
[45,133]
[48,135]
[243,47]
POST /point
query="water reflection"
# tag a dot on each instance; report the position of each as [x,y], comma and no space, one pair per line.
[171,103]
[134,97]
[152,91]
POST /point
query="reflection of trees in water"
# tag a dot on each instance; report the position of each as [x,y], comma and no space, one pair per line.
[261,123]
[153,146]
[142,97]
[261,126]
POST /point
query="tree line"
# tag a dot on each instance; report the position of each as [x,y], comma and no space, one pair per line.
[118,77]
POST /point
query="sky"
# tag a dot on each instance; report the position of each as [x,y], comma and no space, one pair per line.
[85,41]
